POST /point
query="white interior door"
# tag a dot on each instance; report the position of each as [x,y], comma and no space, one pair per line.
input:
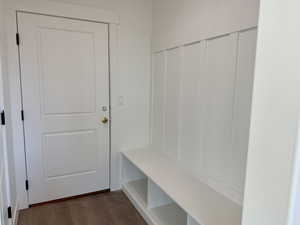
[65,86]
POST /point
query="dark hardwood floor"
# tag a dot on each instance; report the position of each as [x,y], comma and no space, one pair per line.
[112,208]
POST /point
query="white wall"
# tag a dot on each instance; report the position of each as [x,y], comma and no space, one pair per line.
[201,108]
[6,131]
[177,22]
[275,115]
[3,181]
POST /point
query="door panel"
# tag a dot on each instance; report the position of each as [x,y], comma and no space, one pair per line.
[65,83]
[56,71]
[63,146]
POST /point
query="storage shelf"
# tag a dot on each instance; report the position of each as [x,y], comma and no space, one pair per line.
[169,215]
[138,189]
[197,199]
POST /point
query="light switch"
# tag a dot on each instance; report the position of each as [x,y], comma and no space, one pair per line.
[121,101]
[104,108]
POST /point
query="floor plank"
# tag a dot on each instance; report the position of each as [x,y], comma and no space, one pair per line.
[112,208]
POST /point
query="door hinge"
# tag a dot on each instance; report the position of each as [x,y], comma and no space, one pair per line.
[9,213]
[22,115]
[26,185]
[2,117]
[18,38]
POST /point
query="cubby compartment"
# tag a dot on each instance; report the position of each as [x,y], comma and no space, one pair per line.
[134,183]
[150,200]
[191,221]
[162,208]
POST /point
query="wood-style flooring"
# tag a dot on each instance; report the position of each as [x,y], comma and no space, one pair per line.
[111,208]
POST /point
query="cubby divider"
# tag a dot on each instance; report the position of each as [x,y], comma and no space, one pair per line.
[162,208]
[156,197]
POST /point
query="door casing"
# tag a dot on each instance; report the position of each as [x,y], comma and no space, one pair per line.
[55,121]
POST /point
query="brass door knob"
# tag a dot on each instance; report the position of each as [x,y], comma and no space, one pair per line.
[105,120]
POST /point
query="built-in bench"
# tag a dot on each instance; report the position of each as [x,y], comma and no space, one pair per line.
[165,194]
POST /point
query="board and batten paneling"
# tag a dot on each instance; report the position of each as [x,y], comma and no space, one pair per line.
[193,110]
[202,116]
[220,71]
[243,100]
[158,81]
[171,101]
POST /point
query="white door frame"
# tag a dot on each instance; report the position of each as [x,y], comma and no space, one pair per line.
[70,11]
[294,217]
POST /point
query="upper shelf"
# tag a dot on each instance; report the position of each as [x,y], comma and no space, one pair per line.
[201,202]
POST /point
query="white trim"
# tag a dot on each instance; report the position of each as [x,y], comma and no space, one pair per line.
[204,38]
[295,191]
[62,10]
[16,212]
[115,183]
[65,10]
